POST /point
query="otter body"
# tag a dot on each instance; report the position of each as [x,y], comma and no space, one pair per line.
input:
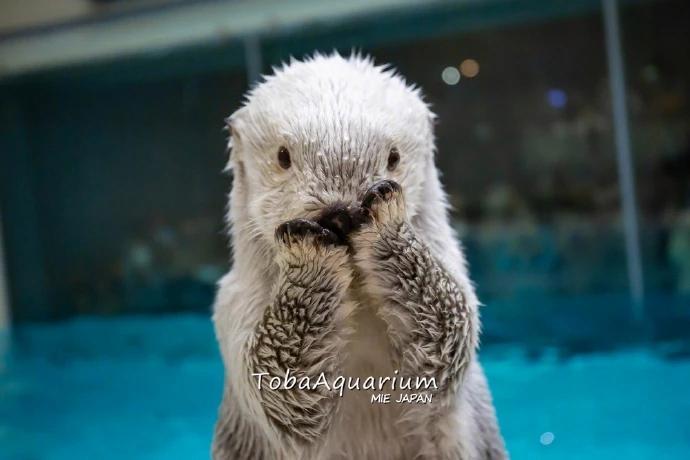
[345,265]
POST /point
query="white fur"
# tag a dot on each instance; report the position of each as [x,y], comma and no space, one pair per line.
[338,117]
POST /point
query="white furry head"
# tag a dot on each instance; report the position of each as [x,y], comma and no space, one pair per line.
[339,119]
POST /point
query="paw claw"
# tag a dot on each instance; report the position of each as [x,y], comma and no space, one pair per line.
[382,190]
[299,229]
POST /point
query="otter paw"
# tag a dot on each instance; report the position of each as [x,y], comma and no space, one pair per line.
[303,230]
[383,202]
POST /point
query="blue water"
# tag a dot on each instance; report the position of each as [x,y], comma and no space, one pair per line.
[148,388]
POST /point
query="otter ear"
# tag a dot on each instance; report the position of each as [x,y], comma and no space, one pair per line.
[233,124]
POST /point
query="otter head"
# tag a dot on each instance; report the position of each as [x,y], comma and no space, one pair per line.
[310,139]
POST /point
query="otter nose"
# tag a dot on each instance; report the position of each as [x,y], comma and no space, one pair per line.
[340,219]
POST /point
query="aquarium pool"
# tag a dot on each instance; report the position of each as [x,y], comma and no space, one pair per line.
[148,388]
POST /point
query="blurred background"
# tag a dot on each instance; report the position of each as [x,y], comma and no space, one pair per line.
[564,142]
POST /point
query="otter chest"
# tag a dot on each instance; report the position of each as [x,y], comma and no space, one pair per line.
[366,428]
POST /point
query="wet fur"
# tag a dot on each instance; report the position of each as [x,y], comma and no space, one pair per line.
[384,289]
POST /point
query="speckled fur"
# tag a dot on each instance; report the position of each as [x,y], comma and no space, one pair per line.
[396,296]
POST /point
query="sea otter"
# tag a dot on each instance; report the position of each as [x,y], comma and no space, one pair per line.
[345,266]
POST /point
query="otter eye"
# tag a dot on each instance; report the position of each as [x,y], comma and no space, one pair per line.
[393,159]
[284,158]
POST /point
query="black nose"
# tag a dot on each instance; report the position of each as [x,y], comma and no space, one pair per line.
[340,219]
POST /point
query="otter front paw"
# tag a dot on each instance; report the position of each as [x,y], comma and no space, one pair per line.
[298,231]
[383,202]
[384,229]
[307,244]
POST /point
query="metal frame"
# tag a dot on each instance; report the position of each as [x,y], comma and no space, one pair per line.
[626,178]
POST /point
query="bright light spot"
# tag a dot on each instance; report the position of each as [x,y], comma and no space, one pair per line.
[469,68]
[546,438]
[450,76]
[557,98]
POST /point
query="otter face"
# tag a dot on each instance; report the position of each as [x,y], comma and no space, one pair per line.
[314,136]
